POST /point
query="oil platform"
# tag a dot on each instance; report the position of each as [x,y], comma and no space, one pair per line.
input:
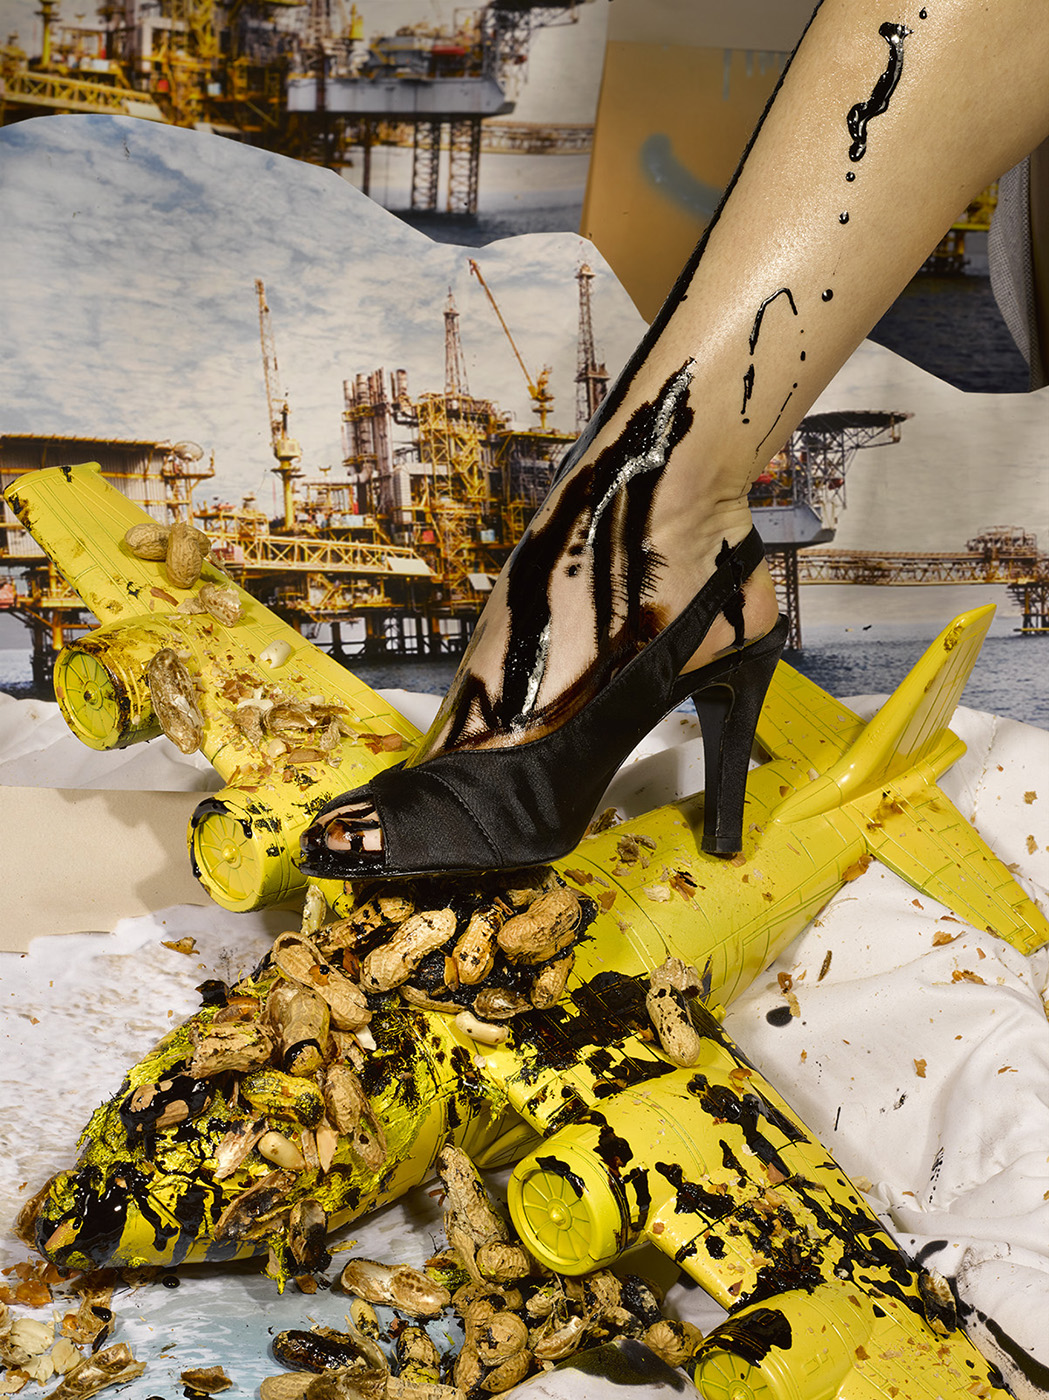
[395,554]
[401,548]
[288,76]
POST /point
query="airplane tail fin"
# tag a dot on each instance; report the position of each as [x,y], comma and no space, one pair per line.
[885,774]
[909,730]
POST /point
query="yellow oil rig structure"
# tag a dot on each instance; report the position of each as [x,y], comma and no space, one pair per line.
[949,258]
[298,77]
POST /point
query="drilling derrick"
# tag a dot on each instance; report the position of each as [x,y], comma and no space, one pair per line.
[453,428]
[455,383]
[591,378]
[286,450]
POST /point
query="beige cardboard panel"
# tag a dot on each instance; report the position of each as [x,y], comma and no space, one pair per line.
[731,24]
[81,859]
[672,124]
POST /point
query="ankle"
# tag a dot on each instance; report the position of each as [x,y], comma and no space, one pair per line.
[760,613]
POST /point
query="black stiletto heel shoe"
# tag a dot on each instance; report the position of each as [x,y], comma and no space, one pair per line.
[471,810]
[728,708]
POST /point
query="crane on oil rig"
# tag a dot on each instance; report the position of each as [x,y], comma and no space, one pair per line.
[538,389]
[286,450]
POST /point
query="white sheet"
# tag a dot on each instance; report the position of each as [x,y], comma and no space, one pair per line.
[930,1087]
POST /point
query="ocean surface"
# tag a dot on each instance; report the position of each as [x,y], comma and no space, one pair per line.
[856,654]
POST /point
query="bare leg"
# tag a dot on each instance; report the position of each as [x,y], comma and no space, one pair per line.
[891,116]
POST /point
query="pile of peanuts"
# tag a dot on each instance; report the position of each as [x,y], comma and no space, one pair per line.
[71,1350]
[290,1044]
[516,1317]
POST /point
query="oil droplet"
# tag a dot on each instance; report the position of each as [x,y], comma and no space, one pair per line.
[923,14]
[843,217]
[803,354]
[746,420]
[794,385]
[850,175]
[828,295]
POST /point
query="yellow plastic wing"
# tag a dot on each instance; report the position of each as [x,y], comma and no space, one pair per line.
[938,852]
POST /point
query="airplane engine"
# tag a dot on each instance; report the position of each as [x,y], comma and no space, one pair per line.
[100,683]
[240,851]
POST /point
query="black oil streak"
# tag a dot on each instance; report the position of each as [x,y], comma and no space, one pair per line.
[1025,1363]
[779,415]
[623,567]
[748,388]
[878,102]
[756,329]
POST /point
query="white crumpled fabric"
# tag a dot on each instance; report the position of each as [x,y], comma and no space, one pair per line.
[921,1064]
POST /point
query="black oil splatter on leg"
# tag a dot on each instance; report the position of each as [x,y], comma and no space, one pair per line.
[603,516]
[756,328]
[878,102]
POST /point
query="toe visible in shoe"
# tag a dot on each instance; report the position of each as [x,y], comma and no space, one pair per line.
[348,835]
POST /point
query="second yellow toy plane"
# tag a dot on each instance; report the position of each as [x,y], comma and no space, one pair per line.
[706,1161]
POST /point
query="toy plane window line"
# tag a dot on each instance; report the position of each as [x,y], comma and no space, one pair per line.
[706,1162]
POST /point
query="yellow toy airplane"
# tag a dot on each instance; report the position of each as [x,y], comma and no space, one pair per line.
[705,1161]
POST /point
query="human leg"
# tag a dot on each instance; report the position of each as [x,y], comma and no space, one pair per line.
[877,137]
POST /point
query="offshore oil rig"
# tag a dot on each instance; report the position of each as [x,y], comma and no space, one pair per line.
[396,553]
[299,77]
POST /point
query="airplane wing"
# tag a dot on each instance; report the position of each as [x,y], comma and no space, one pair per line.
[284,724]
[941,854]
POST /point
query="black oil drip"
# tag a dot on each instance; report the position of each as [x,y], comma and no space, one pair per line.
[843,217]
[778,416]
[691,1199]
[878,102]
[637,1181]
[756,328]
[555,1167]
[850,175]
[828,295]
[614,1150]
[755,331]
[748,387]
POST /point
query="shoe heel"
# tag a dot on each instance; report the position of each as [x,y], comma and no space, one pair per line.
[728,706]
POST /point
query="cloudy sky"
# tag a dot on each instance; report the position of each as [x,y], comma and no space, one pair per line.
[128,304]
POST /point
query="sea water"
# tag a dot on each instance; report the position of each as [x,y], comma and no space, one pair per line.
[857,641]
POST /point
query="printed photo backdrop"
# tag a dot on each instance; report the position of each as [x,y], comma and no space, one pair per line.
[127,287]
[249,71]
